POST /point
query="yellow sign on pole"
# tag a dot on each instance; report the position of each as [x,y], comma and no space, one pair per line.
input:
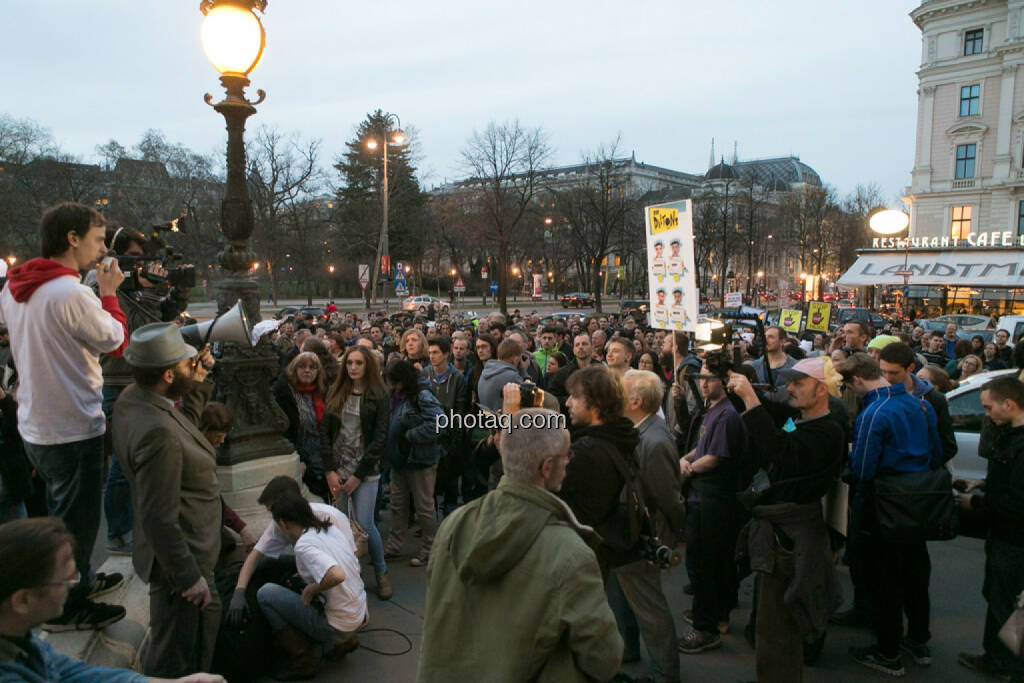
[818,313]
[789,320]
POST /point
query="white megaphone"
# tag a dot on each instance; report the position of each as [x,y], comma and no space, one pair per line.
[230,326]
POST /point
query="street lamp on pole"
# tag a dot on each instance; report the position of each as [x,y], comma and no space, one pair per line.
[233,39]
[889,222]
[383,261]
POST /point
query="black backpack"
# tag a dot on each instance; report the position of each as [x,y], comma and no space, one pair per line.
[624,529]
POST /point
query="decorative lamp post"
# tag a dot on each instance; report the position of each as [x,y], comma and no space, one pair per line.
[233,39]
[383,258]
[889,222]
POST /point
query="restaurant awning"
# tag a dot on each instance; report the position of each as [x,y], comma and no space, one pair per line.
[953,267]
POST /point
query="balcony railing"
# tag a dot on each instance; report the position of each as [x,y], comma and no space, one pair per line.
[963,184]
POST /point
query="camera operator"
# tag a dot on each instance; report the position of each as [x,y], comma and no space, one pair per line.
[143,301]
[787,539]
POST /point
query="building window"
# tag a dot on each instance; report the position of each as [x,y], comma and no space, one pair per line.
[961,225]
[965,155]
[1020,218]
[970,100]
[973,41]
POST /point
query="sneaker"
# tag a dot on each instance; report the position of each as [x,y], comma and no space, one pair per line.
[873,659]
[419,561]
[699,641]
[852,617]
[919,652]
[105,583]
[118,546]
[86,616]
[723,625]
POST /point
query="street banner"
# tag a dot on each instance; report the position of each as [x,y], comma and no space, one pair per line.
[733,299]
[789,320]
[670,267]
[817,315]
[538,284]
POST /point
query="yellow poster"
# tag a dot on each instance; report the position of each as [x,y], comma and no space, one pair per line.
[789,320]
[663,220]
[817,315]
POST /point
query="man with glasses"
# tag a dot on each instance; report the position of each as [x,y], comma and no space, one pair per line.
[37,570]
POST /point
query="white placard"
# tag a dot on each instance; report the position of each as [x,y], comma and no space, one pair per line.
[733,299]
[670,266]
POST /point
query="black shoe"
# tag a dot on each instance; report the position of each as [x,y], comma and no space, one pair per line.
[105,583]
[88,615]
[699,641]
[852,617]
[872,658]
[919,652]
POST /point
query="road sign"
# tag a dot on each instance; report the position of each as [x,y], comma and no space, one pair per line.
[460,286]
[401,288]
[494,286]
[483,272]
[733,299]
[364,275]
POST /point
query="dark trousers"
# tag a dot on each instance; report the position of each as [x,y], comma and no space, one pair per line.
[117,498]
[715,584]
[900,573]
[857,559]
[182,636]
[692,531]
[780,648]
[73,474]
[1004,581]
[639,605]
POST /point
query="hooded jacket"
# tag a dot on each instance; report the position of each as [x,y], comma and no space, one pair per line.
[516,559]
[496,374]
[592,483]
[926,390]
[413,438]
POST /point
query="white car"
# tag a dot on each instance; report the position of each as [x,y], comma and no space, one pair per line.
[422,303]
[967,414]
[1014,324]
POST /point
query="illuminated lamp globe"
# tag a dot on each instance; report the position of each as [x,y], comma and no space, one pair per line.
[889,221]
[232,38]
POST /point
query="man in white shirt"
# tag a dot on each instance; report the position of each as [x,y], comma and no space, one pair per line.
[58,330]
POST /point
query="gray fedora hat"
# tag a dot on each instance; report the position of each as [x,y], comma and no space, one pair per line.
[157,345]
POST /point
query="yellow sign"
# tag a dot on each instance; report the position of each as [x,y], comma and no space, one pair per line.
[789,320]
[818,313]
[663,220]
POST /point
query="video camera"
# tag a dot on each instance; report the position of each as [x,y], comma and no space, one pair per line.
[658,554]
[156,250]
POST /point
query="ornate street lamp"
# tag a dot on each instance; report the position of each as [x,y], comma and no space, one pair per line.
[233,40]
[383,258]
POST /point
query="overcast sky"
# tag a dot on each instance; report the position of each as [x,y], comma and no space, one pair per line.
[830,81]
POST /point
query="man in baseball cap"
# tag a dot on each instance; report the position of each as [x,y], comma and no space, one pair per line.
[171,468]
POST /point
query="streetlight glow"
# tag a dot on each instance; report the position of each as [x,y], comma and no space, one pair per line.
[371,144]
[255,265]
[399,138]
[331,269]
[889,221]
[547,221]
[232,37]
[12,259]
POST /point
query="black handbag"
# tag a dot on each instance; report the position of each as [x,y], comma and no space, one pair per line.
[915,506]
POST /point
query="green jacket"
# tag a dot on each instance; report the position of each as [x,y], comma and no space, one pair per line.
[515,594]
[541,356]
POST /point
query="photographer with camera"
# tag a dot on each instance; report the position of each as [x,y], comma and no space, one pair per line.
[500,371]
[59,328]
[786,541]
[145,297]
[634,589]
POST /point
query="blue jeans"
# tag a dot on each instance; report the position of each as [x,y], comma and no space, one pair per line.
[364,499]
[117,499]
[73,474]
[283,607]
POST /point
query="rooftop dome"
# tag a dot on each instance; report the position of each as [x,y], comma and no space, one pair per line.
[721,171]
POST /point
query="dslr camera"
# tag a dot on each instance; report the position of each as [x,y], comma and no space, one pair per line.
[530,395]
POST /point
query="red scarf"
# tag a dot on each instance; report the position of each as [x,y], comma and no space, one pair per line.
[318,400]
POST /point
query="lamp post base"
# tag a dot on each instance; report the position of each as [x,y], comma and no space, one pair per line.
[242,483]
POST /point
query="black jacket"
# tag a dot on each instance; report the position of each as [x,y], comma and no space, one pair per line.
[1003,500]
[556,384]
[373,423]
[282,392]
[592,483]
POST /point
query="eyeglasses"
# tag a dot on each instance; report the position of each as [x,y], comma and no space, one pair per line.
[70,583]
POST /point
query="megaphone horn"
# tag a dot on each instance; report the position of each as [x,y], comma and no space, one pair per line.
[230,326]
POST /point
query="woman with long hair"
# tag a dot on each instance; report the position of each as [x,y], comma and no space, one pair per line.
[413,451]
[969,365]
[300,394]
[322,620]
[353,437]
[486,349]
[413,348]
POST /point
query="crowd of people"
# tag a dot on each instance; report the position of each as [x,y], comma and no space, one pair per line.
[544,544]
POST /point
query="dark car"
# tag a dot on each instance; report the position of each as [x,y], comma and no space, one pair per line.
[287,311]
[633,305]
[576,300]
[873,319]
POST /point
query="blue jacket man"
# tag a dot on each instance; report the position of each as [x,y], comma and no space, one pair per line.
[894,432]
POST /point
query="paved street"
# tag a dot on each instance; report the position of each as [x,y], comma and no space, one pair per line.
[957,622]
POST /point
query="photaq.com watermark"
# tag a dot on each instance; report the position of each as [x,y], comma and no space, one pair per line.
[496,421]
